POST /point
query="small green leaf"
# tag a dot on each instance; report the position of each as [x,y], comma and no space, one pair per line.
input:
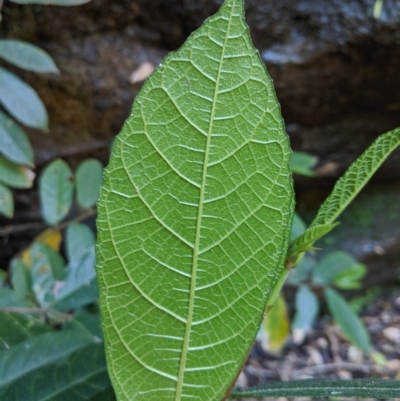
[355,178]
[89,176]
[20,278]
[26,55]
[302,163]
[47,268]
[307,308]
[53,2]
[6,202]
[80,286]
[349,322]
[56,186]
[14,144]
[362,388]
[326,270]
[79,239]
[305,242]
[21,101]
[349,279]
[14,175]
[39,364]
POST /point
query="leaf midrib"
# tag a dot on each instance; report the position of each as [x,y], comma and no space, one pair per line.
[196,247]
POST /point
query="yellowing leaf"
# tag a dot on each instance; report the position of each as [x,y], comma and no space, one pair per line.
[50,237]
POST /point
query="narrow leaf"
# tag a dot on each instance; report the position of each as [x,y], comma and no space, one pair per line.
[6,202]
[194,218]
[14,175]
[21,101]
[56,187]
[89,176]
[26,55]
[14,144]
[349,322]
[79,239]
[80,286]
[355,178]
[52,2]
[362,388]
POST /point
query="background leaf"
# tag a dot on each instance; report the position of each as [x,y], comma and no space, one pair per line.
[79,239]
[326,270]
[363,388]
[56,187]
[302,163]
[20,278]
[21,101]
[37,360]
[14,144]
[80,286]
[89,176]
[47,268]
[350,278]
[14,175]
[6,202]
[349,322]
[194,218]
[307,308]
[26,55]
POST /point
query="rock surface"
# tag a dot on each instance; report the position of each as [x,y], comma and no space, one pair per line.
[335,67]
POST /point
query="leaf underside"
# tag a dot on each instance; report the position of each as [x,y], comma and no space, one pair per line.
[194,218]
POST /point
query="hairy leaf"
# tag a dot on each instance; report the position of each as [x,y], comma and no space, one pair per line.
[194,218]
[21,101]
[355,178]
[14,144]
[26,55]
[362,388]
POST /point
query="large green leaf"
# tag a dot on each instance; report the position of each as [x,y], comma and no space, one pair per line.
[21,101]
[194,218]
[26,55]
[14,144]
[362,388]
